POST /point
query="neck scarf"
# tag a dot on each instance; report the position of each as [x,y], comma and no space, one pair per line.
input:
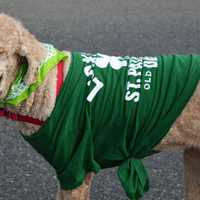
[19,90]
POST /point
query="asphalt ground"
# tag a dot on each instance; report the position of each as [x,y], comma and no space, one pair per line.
[128,27]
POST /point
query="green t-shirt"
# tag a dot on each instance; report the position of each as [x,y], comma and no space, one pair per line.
[112,111]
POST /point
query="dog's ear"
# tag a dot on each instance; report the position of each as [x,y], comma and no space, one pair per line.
[15,39]
[34,52]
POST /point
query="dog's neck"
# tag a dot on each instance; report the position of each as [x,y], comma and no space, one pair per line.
[41,102]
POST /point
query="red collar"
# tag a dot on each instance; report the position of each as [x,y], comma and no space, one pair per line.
[18,117]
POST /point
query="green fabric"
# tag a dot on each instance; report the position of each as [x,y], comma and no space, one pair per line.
[112,111]
[19,91]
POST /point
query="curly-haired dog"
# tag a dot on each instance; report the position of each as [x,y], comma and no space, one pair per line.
[66,125]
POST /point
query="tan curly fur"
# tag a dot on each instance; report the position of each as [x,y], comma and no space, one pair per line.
[17,42]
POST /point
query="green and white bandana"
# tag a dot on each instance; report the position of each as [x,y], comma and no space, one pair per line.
[112,111]
[19,91]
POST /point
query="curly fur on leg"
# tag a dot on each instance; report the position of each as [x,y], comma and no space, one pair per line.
[80,193]
[192,174]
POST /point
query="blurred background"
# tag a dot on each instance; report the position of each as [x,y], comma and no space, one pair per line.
[128,27]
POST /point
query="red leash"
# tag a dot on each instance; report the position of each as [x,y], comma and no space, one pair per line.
[18,117]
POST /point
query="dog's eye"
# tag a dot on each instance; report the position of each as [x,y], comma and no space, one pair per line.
[1,77]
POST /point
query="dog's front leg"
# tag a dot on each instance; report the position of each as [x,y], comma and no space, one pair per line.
[80,193]
[192,174]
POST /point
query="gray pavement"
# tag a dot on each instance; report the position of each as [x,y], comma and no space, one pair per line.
[145,27]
